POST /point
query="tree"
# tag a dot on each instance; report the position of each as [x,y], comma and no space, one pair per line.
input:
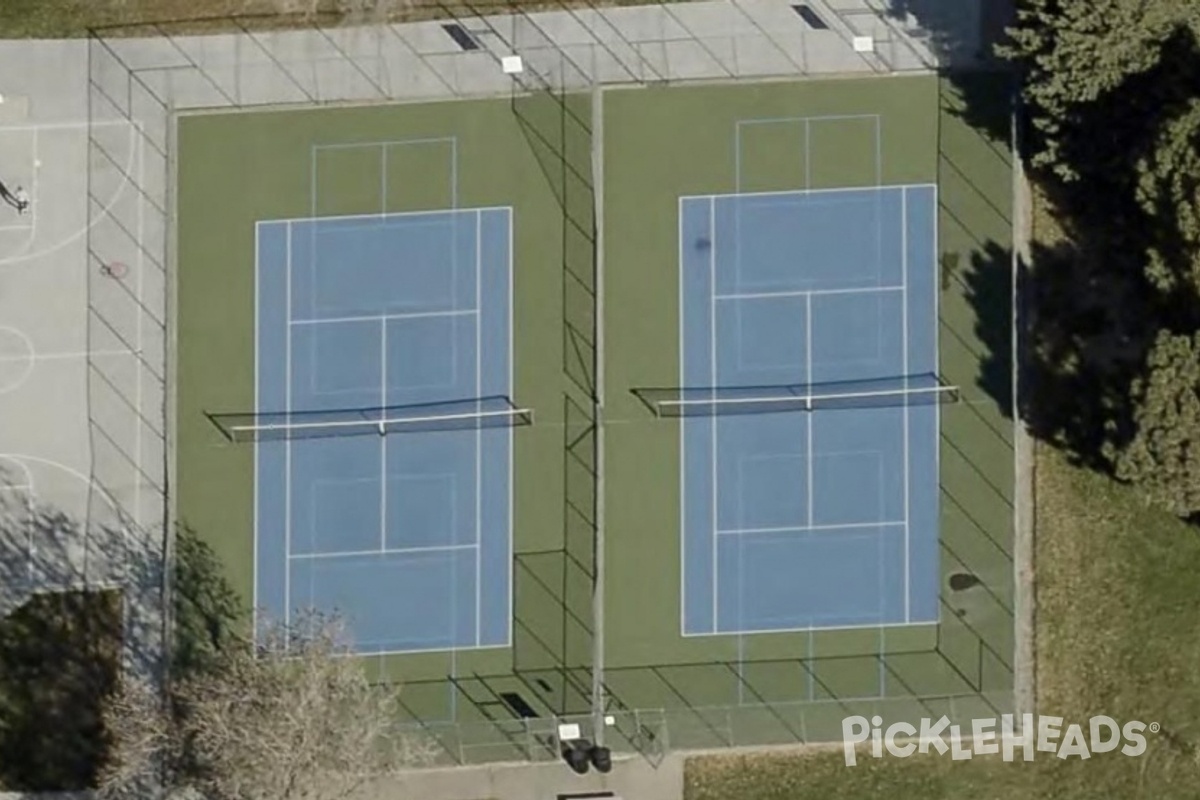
[1074,53]
[1163,458]
[291,718]
[1169,193]
[1109,93]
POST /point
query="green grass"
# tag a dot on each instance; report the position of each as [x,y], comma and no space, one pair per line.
[1117,635]
[52,19]
[46,19]
[69,18]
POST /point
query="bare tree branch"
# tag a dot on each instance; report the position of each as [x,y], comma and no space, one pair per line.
[293,717]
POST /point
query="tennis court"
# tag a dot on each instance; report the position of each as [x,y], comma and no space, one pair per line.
[810,413]
[781,535]
[396,324]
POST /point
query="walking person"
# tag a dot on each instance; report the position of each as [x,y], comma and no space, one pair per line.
[21,200]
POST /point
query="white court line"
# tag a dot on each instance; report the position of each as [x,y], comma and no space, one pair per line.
[508,315]
[373,219]
[935,290]
[813,628]
[815,118]
[738,213]
[258,298]
[27,361]
[807,156]
[683,472]
[416,651]
[34,205]
[20,458]
[737,157]
[796,192]
[139,331]
[383,317]
[28,494]
[383,472]
[375,222]
[806,293]
[454,173]
[29,491]
[35,356]
[18,227]
[395,551]
[712,321]
[478,429]
[907,411]
[29,482]
[287,445]
[809,421]
[808,528]
[879,150]
[311,266]
[58,126]
[381,143]
[383,176]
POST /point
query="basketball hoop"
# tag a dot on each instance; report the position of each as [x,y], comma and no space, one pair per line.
[114,269]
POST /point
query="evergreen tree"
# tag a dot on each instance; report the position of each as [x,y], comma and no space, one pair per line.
[1164,456]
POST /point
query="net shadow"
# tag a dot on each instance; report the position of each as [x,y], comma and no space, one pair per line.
[496,411]
[893,391]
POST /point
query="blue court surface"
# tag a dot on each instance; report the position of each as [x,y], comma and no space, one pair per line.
[826,518]
[406,536]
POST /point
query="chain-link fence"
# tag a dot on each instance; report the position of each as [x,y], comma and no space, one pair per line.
[652,733]
[140,77]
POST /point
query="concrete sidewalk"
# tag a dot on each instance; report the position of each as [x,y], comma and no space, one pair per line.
[632,778]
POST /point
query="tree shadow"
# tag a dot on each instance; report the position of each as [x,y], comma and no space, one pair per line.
[1086,346]
[69,629]
[963,35]
[1093,312]
[961,32]
[1085,324]
[986,285]
[60,657]
[64,638]
[1088,313]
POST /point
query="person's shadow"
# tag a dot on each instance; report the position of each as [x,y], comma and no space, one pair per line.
[11,198]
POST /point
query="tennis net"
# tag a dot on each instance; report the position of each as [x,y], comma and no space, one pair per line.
[714,401]
[456,415]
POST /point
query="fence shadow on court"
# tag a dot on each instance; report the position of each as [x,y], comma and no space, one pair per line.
[557,128]
[553,618]
[553,615]
[688,705]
